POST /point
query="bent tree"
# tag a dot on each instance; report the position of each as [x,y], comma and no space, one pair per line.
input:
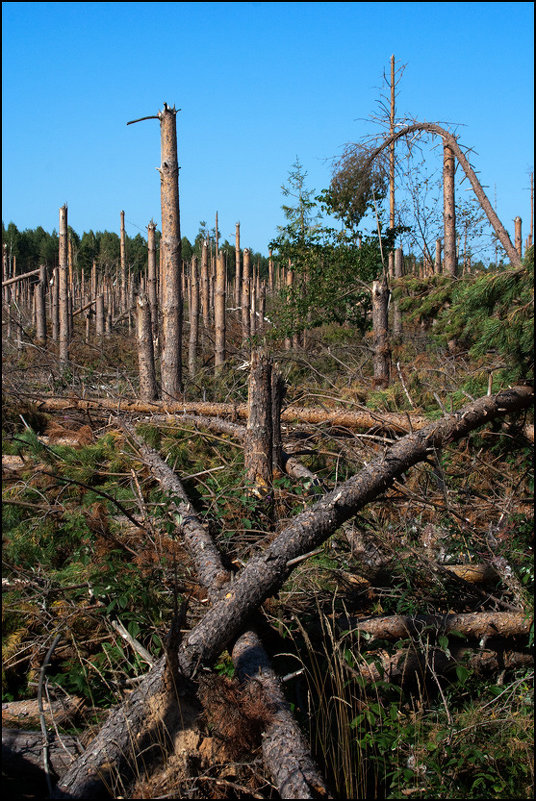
[452,149]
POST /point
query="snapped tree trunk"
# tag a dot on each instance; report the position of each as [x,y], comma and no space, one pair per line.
[238,271]
[40,307]
[219,313]
[147,373]
[449,211]
[152,292]
[380,328]
[63,265]
[194,317]
[171,358]
[245,299]
[205,286]
[258,445]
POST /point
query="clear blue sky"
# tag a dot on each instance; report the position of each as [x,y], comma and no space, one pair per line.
[258,84]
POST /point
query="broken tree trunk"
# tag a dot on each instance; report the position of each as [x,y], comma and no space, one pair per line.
[170,244]
[63,291]
[380,327]
[258,444]
[219,313]
[264,575]
[146,367]
[476,625]
[285,750]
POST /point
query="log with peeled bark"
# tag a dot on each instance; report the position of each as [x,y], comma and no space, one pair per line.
[362,420]
[265,574]
[474,625]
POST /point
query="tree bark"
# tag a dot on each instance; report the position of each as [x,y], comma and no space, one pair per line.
[518,237]
[245,299]
[266,573]
[449,212]
[381,347]
[40,307]
[171,358]
[238,271]
[152,292]
[219,313]
[475,625]
[205,286]
[258,444]
[194,317]
[63,290]
[146,368]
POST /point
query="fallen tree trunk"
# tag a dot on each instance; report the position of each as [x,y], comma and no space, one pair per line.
[475,625]
[363,420]
[411,664]
[285,751]
[266,573]
[22,752]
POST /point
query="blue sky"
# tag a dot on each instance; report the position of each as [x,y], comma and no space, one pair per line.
[258,85]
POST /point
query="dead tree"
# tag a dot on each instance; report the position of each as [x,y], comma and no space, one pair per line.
[123,267]
[63,264]
[170,246]
[450,265]
[194,317]
[258,448]
[246,295]
[219,313]
[380,328]
[40,307]
[238,269]
[451,141]
[518,237]
[146,368]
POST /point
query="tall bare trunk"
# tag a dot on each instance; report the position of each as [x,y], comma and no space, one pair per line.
[382,350]
[397,316]
[238,272]
[40,307]
[449,211]
[123,267]
[194,317]
[219,312]
[245,300]
[437,262]
[63,261]
[270,287]
[278,395]
[518,240]
[152,293]
[205,286]
[171,360]
[392,161]
[147,374]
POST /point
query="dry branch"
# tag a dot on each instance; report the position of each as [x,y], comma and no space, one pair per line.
[475,625]
[263,576]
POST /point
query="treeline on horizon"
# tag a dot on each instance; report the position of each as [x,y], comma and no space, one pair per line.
[33,247]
